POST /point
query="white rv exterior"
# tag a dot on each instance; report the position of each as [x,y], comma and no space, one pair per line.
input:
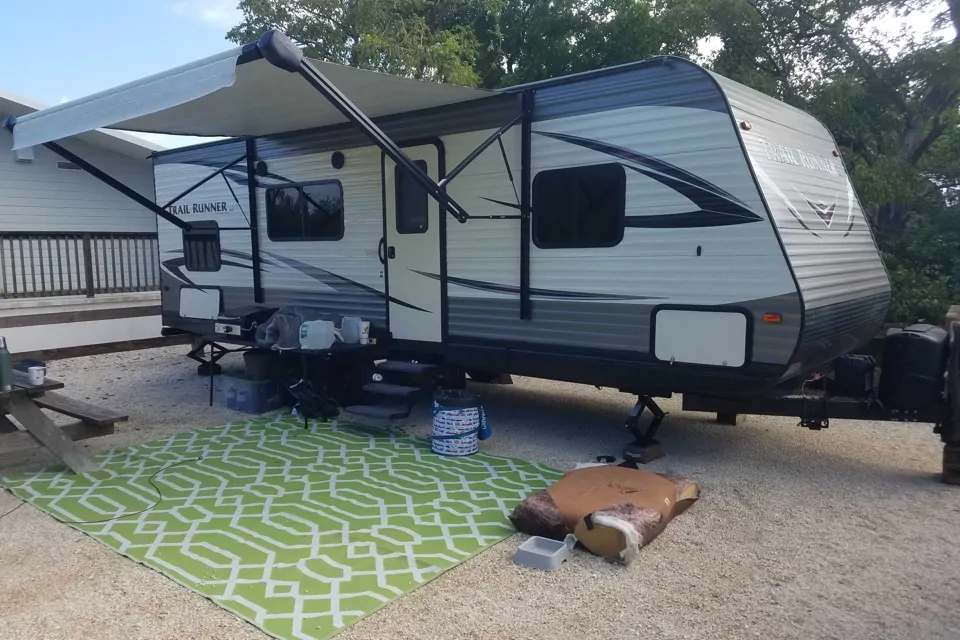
[716,237]
[652,226]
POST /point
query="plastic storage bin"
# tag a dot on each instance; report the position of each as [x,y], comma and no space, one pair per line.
[251,396]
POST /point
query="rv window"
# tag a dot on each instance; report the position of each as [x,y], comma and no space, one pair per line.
[412,203]
[579,207]
[201,246]
[310,211]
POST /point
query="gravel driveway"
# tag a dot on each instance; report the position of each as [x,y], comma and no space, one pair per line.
[841,534]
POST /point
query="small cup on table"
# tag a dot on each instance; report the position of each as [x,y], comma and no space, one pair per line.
[36,375]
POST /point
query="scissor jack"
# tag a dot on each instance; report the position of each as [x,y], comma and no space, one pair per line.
[645,447]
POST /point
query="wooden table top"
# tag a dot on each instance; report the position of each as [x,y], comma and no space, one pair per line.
[22,386]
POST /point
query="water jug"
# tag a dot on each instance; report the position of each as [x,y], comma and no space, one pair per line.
[318,334]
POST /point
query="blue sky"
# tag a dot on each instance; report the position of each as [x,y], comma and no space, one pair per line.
[57,50]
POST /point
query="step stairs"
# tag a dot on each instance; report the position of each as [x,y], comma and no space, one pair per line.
[397,386]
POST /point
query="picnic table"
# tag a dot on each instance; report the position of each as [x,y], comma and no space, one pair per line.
[24,402]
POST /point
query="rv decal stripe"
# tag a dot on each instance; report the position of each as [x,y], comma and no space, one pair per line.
[706,200]
[542,293]
[236,254]
[717,207]
[661,166]
[339,283]
[173,268]
[512,205]
[690,219]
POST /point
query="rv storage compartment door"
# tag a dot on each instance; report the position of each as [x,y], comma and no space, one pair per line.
[717,338]
[200,303]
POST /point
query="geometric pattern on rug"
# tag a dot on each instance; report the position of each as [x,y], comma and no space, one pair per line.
[301,531]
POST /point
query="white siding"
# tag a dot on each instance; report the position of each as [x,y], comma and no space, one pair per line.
[38,197]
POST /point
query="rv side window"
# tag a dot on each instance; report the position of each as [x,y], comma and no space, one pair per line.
[310,211]
[411,201]
[579,207]
[201,246]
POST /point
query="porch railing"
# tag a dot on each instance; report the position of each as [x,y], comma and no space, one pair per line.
[34,265]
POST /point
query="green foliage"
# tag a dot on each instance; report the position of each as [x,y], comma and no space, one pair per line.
[924,265]
[424,39]
[891,99]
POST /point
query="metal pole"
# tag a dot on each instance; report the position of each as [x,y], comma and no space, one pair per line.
[476,152]
[525,155]
[205,181]
[343,104]
[116,184]
[254,219]
[88,265]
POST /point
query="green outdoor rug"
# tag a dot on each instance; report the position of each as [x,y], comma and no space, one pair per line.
[300,531]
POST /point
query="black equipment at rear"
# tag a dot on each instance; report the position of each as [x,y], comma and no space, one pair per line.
[853,375]
[914,364]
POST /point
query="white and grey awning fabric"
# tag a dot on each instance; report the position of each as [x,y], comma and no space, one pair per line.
[226,95]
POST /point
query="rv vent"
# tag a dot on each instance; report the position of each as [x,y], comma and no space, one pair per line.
[68,166]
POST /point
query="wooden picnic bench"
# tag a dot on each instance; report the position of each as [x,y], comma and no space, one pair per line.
[24,403]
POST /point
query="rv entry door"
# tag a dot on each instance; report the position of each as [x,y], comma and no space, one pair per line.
[413,249]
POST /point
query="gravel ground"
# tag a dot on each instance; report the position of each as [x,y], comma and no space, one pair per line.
[845,533]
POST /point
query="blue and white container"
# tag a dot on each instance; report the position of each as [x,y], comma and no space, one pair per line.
[459,422]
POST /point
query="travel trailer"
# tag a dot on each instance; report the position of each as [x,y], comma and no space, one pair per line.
[653,227]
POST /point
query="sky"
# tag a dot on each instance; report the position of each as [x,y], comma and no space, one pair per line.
[60,50]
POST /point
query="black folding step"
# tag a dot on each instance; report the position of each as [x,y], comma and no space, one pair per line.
[380,411]
[391,390]
[410,368]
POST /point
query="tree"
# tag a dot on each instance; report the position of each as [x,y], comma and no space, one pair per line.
[423,39]
[548,38]
[487,42]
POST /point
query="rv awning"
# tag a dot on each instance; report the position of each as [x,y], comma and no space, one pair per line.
[227,95]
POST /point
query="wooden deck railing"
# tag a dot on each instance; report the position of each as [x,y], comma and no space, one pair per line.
[34,265]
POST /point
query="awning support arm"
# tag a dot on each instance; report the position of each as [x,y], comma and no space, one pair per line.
[112,182]
[388,146]
[213,175]
[480,149]
[280,51]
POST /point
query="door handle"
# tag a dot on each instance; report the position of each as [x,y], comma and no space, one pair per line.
[391,252]
[380,245]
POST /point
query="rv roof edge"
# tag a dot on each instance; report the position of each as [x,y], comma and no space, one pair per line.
[280,51]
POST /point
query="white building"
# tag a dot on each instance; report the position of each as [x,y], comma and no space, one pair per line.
[78,260]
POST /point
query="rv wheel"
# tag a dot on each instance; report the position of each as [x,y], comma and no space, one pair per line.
[203,369]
